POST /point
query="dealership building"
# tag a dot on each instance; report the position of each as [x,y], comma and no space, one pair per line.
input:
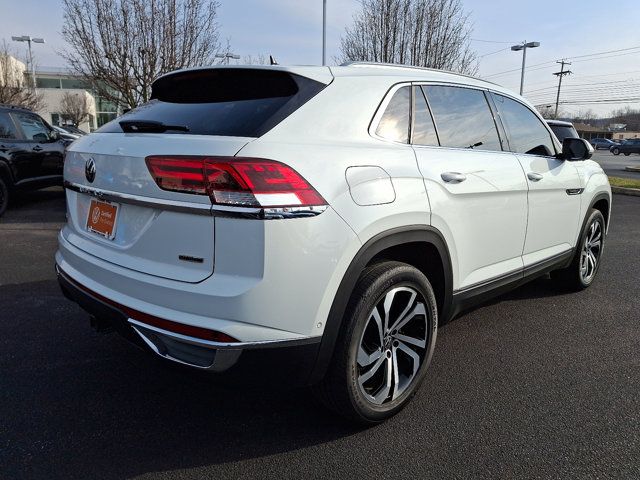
[54,82]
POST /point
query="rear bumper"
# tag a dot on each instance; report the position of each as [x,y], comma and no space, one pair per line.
[262,361]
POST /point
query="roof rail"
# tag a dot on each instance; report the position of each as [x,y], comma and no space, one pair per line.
[412,67]
[14,107]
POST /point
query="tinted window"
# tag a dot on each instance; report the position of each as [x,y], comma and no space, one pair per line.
[234,102]
[563,132]
[33,127]
[424,133]
[7,128]
[394,124]
[463,118]
[526,131]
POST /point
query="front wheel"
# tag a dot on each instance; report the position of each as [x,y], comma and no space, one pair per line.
[385,345]
[586,262]
[626,154]
[616,151]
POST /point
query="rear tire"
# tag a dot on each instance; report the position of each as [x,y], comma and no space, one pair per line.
[586,261]
[4,196]
[616,151]
[385,345]
[626,154]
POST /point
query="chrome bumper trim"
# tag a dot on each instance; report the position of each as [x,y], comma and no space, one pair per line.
[198,208]
[226,346]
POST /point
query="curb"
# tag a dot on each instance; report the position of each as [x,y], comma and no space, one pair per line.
[632,169]
[626,191]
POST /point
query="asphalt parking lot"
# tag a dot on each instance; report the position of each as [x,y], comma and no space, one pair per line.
[535,384]
[614,164]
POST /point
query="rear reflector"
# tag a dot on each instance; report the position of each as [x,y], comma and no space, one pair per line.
[235,181]
[152,320]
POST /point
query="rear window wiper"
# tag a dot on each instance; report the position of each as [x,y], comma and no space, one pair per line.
[149,126]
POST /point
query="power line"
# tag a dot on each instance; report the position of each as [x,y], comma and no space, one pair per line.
[491,53]
[490,41]
[579,56]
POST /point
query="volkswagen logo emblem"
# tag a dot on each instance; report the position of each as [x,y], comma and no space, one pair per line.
[90,170]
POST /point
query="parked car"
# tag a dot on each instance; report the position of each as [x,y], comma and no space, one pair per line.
[631,145]
[562,129]
[602,143]
[315,225]
[64,134]
[73,130]
[31,153]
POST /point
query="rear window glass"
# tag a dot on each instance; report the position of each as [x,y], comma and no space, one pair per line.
[229,102]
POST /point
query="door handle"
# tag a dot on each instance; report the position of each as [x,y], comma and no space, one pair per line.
[534,177]
[37,148]
[453,177]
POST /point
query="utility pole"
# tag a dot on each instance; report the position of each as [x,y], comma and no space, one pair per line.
[523,46]
[324,32]
[561,74]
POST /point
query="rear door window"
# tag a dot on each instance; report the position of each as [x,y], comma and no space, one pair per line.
[33,127]
[228,102]
[7,128]
[463,117]
[394,123]
[526,132]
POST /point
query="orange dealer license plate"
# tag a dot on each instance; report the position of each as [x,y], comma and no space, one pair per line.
[102,218]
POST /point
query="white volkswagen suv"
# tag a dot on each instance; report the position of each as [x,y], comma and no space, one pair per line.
[317,223]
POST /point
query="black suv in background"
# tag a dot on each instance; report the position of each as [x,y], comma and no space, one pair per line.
[630,146]
[31,153]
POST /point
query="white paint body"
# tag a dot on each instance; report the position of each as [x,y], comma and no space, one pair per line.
[276,279]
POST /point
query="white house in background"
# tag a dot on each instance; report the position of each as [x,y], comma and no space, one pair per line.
[54,82]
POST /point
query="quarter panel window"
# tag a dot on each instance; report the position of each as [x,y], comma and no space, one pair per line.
[394,124]
[424,132]
[463,118]
[526,132]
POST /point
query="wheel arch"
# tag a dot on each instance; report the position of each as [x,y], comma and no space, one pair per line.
[602,202]
[5,172]
[395,244]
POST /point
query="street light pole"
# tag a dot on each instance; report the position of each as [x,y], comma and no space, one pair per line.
[324,32]
[28,39]
[523,47]
[227,56]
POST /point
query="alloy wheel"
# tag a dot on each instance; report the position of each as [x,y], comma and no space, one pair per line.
[393,345]
[591,250]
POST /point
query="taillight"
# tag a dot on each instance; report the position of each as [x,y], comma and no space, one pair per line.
[235,181]
[178,174]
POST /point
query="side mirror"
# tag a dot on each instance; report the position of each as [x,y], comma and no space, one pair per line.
[576,149]
[54,136]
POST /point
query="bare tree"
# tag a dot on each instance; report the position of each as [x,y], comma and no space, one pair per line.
[628,116]
[426,33]
[75,107]
[122,46]
[13,88]
[547,111]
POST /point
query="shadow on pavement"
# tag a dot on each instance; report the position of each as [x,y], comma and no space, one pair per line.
[76,403]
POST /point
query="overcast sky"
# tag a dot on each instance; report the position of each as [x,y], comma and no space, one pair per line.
[291,31]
